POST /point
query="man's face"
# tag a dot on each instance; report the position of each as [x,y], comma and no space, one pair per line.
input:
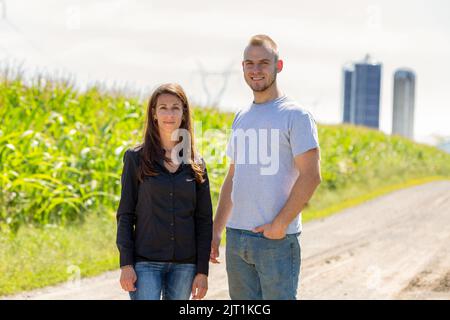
[260,69]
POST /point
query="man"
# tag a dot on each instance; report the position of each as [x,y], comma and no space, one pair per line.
[274,171]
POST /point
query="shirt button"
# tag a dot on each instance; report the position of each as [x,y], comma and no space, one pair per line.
[171,224]
[171,194]
[171,238]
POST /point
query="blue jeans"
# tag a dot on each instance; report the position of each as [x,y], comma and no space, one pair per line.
[259,268]
[166,280]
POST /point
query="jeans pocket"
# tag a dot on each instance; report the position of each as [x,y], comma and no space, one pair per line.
[274,240]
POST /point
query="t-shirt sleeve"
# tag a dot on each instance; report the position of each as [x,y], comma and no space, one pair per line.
[230,149]
[303,133]
[230,146]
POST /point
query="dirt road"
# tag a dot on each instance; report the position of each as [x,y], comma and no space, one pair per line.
[393,247]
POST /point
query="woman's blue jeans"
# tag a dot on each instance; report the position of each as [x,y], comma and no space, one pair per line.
[166,280]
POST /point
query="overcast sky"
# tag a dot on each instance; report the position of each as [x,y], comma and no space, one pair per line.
[144,43]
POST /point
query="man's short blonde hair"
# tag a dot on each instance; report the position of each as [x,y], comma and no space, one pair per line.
[264,41]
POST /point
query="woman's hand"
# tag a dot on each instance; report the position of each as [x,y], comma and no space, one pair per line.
[199,286]
[128,278]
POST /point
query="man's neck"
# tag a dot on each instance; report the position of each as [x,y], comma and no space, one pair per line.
[270,94]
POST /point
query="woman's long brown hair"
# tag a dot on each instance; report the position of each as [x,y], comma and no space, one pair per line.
[151,149]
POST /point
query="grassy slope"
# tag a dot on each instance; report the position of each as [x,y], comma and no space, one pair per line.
[55,245]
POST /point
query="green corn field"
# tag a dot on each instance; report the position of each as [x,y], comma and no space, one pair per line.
[61,151]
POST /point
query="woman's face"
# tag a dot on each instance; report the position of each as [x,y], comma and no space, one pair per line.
[169,112]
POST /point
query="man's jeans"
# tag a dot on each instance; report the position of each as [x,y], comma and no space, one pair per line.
[259,268]
[172,281]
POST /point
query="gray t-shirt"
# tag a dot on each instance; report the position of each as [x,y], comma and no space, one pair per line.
[265,139]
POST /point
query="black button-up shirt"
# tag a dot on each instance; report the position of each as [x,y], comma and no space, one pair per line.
[167,217]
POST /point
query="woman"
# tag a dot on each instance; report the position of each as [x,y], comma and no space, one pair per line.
[164,219]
